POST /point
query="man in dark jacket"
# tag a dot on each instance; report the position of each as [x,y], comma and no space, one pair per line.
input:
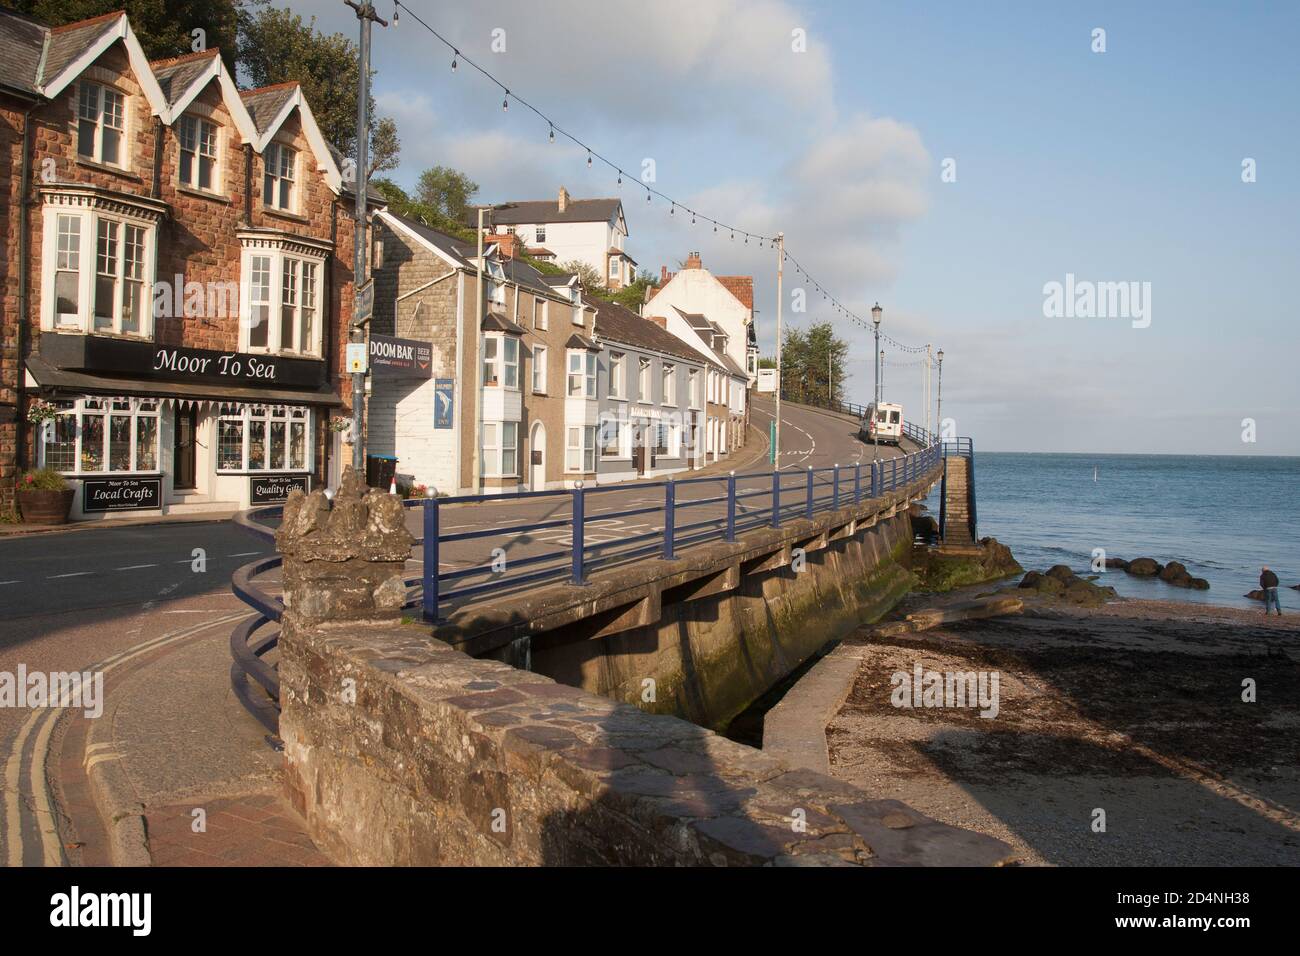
[1268,583]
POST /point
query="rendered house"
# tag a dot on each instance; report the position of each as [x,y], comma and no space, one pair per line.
[593,231]
[531,365]
[653,411]
[726,301]
[177,276]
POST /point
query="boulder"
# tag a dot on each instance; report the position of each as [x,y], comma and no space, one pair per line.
[1295,587]
[1117,563]
[1198,584]
[1031,579]
[1144,567]
[1255,595]
[1173,571]
[1062,573]
[925,526]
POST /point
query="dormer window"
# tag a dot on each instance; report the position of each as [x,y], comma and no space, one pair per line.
[277,185]
[198,163]
[101,124]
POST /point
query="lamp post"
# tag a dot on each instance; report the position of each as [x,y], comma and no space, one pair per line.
[876,312]
[938,412]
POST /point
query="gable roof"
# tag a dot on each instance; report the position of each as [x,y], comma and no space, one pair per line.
[617,323]
[42,60]
[543,210]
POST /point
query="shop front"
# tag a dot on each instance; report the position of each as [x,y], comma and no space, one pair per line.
[146,429]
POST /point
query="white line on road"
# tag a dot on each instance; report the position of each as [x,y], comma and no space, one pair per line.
[11,582]
[73,574]
[245,554]
[135,567]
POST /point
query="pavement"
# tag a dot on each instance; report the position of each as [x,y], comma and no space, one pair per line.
[174,771]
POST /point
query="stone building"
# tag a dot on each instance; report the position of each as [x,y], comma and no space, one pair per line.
[177,280]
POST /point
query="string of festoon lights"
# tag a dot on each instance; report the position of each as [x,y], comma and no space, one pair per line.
[509,96]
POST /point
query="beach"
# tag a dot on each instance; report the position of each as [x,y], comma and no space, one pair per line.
[1121,736]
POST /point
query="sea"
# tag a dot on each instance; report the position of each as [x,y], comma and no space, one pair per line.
[1221,516]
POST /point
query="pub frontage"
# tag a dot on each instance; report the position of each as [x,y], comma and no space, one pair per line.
[147,429]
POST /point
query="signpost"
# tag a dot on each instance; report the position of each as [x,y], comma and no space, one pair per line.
[400,358]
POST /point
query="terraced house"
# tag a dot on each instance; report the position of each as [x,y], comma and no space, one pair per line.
[177,276]
[527,366]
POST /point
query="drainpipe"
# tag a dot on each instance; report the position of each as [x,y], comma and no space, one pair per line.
[156,190]
[24,302]
[248,184]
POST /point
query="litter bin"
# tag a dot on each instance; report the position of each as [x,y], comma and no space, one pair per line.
[380,470]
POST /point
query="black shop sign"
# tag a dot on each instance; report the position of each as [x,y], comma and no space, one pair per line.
[148,360]
[121,494]
[274,489]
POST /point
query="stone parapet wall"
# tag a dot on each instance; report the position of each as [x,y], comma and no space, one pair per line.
[402,751]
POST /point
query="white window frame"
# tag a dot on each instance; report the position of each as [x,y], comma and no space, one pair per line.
[539,234]
[583,450]
[540,353]
[617,374]
[97,115]
[106,408]
[307,298]
[276,173]
[693,387]
[267,416]
[584,371]
[86,267]
[541,314]
[621,436]
[614,271]
[668,382]
[500,439]
[501,351]
[201,148]
[644,383]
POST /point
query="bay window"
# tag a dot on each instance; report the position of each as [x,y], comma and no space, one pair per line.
[102,435]
[582,374]
[101,124]
[198,159]
[501,449]
[279,167]
[501,361]
[263,438]
[282,302]
[580,449]
[98,266]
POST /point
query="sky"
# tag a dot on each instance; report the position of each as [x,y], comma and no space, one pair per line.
[948,160]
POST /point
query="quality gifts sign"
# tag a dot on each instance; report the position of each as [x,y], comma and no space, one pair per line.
[400,358]
[272,489]
[99,495]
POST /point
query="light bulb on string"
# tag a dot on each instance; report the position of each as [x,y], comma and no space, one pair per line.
[589,159]
[552,136]
[505,103]
[454,54]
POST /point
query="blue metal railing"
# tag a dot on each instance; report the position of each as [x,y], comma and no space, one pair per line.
[959,448]
[785,494]
[922,436]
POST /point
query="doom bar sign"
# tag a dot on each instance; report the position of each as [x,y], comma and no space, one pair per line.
[400,358]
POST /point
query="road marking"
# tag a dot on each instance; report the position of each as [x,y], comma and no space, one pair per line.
[11,582]
[135,567]
[73,574]
[245,554]
[13,816]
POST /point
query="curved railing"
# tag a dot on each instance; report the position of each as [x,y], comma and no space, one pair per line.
[248,642]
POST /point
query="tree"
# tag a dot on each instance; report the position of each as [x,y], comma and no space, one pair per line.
[589,275]
[401,203]
[447,190]
[164,29]
[812,364]
[276,46]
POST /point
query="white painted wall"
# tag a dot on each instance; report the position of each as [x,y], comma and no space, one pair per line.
[584,241]
[697,291]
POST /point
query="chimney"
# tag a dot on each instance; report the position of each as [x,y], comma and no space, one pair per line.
[564,199]
[658,320]
[663,276]
[693,261]
[507,244]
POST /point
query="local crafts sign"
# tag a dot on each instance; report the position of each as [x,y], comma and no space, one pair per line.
[121,494]
[273,489]
[400,358]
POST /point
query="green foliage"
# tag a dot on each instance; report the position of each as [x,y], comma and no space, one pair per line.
[808,358]
[42,479]
[446,190]
[765,362]
[163,27]
[401,203]
[593,283]
[277,46]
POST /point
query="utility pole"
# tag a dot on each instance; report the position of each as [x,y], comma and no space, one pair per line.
[366,14]
[928,360]
[876,313]
[780,380]
[938,412]
[475,382]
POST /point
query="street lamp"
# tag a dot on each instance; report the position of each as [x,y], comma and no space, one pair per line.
[876,312]
[938,412]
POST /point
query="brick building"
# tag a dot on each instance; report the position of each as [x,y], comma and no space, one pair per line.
[177,279]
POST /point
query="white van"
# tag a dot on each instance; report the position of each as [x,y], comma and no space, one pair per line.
[883,424]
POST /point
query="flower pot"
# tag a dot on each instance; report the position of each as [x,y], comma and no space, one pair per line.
[45,507]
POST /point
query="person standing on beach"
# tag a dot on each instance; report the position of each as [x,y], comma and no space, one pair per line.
[1268,582]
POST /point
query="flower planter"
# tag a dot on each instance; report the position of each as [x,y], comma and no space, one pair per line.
[45,507]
